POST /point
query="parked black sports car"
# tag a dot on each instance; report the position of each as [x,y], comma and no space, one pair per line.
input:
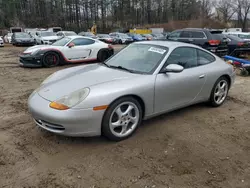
[22,39]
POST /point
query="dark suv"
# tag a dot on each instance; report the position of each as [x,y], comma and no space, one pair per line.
[212,40]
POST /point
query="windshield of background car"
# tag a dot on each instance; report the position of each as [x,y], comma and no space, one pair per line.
[89,34]
[124,36]
[104,36]
[244,36]
[141,58]
[61,42]
[70,34]
[232,37]
[22,35]
[47,34]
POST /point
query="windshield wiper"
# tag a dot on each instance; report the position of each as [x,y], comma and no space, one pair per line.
[105,64]
[122,68]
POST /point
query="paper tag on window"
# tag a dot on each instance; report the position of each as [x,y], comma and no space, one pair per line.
[157,50]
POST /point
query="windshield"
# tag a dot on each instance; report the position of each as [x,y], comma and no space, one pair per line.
[244,36]
[138,36]
[141,58]
[234,37]
[104,36]
[158,35]
[47,34]
[70,33]
[123,35]
[22,35]
[61,42]
[89,34]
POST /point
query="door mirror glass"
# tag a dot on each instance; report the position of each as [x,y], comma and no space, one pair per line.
[174,68]
[70,45]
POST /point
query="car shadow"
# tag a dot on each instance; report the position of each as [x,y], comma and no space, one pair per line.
[101,140]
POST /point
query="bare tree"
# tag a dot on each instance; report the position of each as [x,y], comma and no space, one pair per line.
[225,10]
[243,10]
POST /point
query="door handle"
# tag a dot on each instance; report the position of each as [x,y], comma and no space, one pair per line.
[202,76]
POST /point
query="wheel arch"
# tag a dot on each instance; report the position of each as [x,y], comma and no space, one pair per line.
[61,57]
[136,97]
[228,78]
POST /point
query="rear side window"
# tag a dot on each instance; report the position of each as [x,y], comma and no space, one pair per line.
[186,34]
[204,58]
[82,42]
[198,35]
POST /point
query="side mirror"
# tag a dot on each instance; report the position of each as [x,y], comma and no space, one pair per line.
[70,45]
[173,68]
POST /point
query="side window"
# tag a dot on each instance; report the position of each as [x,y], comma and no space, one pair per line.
[204,58]
[185,34]
[184,56]
[83,42]
[175,34]
[198,35]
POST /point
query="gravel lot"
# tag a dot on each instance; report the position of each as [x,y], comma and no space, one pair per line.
[197,147]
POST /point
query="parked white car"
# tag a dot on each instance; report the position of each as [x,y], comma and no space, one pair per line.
[45,37]
[1,41]
[7,38]
[62,34]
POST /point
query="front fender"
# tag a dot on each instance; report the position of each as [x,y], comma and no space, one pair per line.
[106,93]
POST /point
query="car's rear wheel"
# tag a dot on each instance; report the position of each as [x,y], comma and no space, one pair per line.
[122,119]
[219,92]
[103,55]
[51,59]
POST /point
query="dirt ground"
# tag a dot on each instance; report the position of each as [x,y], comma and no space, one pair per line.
[197,147]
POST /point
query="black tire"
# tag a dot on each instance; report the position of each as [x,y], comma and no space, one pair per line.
[103,55]
[212,100]
[244,72]
[51,59]
[106,130]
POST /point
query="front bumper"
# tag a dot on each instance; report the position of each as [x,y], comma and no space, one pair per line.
[27,60]
[24,43]
[72,122]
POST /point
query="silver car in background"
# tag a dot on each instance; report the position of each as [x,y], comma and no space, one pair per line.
[143,80]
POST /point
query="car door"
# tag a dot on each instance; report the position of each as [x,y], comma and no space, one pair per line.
[174,90]
[80,51]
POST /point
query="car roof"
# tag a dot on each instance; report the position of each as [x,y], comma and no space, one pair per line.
[241,33]
[78,36]
[169,44]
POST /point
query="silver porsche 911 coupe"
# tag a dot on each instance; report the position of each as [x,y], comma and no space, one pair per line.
[143,80]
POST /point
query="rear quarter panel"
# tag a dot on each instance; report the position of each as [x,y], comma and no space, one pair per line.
[213,72]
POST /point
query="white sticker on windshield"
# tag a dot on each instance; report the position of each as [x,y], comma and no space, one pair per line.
[157,50]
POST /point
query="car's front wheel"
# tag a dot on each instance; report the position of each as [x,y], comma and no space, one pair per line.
[51,59]
[103,55]
[219,92]
[122,119]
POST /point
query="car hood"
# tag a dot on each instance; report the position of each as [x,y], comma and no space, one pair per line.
[50,38]
[41,47]
[64,82]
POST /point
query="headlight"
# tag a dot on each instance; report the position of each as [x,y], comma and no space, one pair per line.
[35,52]
[70,100]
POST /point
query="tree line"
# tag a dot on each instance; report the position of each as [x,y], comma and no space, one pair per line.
[80,15]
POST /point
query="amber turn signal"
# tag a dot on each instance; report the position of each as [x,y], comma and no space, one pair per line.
[58,106]
[100,108]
